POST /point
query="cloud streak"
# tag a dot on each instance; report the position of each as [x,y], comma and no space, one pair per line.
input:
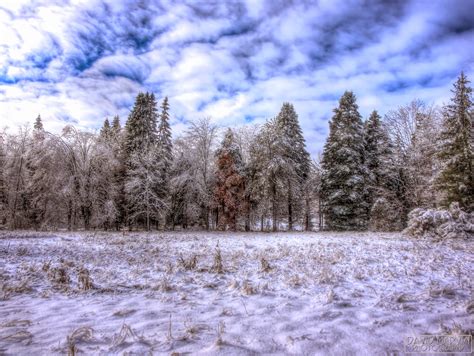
[234,61]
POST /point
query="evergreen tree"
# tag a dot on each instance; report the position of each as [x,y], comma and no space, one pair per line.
[344,172]
[106,131]
[271,170]
[229,188]
[116,127]
[166,149]
[164,134]
[38,126]
[384,209]
[144,172]
[140,128]
[456,150]
[296,156]
[39,166]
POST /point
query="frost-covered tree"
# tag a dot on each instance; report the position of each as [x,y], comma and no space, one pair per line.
[39,164]
[456,151]
[141,139]
[184,208]
[16,178]
[229,188]
[271,172]
[200,137]
[146,205]
[3,185]
[413,129]
[344,172]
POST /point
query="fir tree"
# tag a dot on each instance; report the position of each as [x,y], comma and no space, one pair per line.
[229,188]
[456,178]
[344,173]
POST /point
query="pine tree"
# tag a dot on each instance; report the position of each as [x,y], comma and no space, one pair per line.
[296,156]
[344,173]
[456,150]
[229,189]
[384,209]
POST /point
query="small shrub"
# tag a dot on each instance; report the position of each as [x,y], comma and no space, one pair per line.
[440,224]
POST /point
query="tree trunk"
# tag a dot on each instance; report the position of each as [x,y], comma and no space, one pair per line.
[307,225]
[290,207]
[320,213]
[17,189]
[274,209]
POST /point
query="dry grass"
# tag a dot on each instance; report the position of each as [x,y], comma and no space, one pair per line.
[218,267]
[188,264]
[83,279]
[264,265]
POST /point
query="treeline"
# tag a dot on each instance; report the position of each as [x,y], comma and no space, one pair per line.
[370,175]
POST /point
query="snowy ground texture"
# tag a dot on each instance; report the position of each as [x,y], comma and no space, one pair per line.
[286,293]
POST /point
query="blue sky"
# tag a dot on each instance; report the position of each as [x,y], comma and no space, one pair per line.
[80,61]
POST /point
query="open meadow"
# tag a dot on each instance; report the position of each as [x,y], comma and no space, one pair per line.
[229,293]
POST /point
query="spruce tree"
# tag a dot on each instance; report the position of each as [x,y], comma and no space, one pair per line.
[164,133]
[116,127]
[142,157]
[38,165]
[38,124]
[229,188]
[140,128]
[106,131]
[456,155]
[344,173]
[384,209]
[296,156]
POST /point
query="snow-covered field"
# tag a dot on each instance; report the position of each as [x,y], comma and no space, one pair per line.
[285,293]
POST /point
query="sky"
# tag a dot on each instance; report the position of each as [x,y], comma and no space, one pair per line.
[80,61]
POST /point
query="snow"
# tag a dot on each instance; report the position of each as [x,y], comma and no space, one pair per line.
[323,293]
